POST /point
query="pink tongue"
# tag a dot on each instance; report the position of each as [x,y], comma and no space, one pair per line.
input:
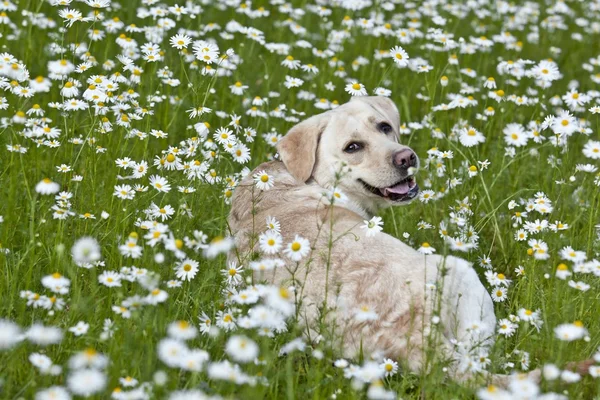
[401,188]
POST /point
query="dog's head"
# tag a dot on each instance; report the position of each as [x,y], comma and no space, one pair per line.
[363,135]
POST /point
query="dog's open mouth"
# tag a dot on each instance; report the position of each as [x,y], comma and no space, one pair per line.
[404,190]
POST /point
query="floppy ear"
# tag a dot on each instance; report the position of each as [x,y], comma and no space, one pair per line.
[298,148]
[383,105]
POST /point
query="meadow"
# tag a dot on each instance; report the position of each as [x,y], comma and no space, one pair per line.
[126,125]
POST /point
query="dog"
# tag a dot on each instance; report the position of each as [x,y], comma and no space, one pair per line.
[336,170]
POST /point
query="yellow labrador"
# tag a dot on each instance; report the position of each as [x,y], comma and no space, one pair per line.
[382,295]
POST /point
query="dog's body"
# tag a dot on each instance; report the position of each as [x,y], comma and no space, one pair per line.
[349,272]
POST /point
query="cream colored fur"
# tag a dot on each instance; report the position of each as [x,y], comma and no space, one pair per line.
[348,270]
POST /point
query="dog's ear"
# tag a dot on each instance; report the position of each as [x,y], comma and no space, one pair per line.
[298,148]
[385,106]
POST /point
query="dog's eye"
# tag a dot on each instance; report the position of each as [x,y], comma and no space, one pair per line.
[385,127]
[353,147]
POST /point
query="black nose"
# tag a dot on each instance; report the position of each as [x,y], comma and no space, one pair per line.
[404,159]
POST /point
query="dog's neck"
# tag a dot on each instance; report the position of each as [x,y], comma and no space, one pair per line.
[353,206]
[346,201]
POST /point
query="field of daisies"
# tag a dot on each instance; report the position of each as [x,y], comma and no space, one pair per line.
[125,126]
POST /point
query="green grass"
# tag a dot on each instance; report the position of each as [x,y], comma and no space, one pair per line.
[38,245]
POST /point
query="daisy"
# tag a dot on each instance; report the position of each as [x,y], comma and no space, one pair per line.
[85,250]
[263,180]
[528,315]
[389,366]
[86,382]
[584,287]
[217,246]
[592,149]
[373,226]
[270,242]
[470,137]
[53,393]
[44,364]
[458,244]
[10,334]
[506,327]
[364,314]
[156,296]
[291,63]
[225,320]
[356,89]
[46,186]
[180,41]
[310,68]
[110,279]
[520,235]
[426,249]
[490,83]
[426,195]
[174,283]
[241,153]
[182,330]
[379,91]
[186,270]
[159,183]
[594,371]
[570,332]
[497,279]
[562,271]
[128,381]
[546,71]
[130,248]
[514,135]
[233,273]
[43,335]
[574,99]
[564,124]
[291,82]
[56,283]
[80,329]
[265,264]
[206,52]
[139,169]
[575,256]
[273,224]
[499,294]
[241,349]
[124,192]
[171,352]
[238,88]
[163,213]
[205,323]
[297,249]
[399,56]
